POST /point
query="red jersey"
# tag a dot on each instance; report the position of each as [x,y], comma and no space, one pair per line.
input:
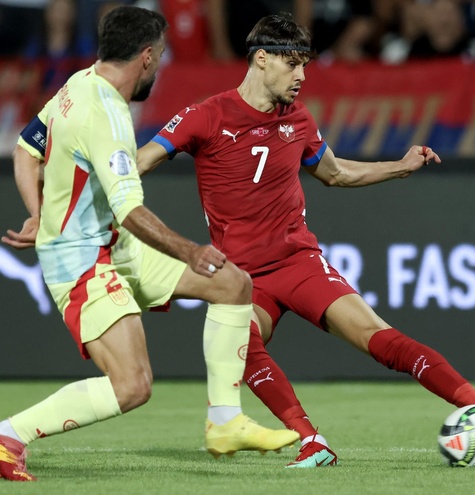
[247,164]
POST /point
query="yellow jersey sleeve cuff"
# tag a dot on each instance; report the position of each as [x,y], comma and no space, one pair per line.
[27,147]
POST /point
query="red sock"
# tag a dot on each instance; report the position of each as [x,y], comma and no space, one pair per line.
[401,353]
[268,382]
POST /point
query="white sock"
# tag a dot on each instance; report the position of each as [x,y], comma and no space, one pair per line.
[222,414]
[315,438]
[7,430]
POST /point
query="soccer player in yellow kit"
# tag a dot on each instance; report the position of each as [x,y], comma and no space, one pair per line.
[106,257]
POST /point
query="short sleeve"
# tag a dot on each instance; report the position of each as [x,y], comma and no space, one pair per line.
[186,131]
[111,149]
[315,146]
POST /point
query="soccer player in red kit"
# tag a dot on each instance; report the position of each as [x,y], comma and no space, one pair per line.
[248,145]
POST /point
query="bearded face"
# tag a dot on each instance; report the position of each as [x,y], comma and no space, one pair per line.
[143,89]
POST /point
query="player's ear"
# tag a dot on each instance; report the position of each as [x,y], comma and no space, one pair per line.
[261,58]
[147,56]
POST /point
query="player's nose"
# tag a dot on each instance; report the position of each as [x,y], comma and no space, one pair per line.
[300,74]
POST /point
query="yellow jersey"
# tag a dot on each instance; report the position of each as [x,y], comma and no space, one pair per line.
[91,181]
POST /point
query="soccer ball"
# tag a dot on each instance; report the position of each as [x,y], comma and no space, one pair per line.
[457,438]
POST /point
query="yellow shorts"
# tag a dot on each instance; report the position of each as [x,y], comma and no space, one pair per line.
[117,285]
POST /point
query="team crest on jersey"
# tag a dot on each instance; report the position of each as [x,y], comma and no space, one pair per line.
[259,131]
[287,132]
[120,163]
[170,127]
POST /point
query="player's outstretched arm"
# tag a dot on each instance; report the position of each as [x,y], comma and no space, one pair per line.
[149,156]
[29,180]
[203,260]
[333,171]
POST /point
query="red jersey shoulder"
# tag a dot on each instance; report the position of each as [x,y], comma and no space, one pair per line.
[201,117]
[214,105]
[224,120]
[297,112]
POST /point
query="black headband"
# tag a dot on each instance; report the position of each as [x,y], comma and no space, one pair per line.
[280,48]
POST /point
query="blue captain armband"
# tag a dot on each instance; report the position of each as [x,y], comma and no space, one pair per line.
[34,134]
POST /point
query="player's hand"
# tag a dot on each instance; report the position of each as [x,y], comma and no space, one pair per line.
[428,154]
[206,260]
[419,156]
[26,237]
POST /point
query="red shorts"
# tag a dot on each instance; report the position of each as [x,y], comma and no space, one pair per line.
[306,285]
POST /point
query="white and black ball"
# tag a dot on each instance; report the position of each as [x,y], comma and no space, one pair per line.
[457,438]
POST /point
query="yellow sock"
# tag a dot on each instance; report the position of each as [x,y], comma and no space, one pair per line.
[225,340]
[75,405]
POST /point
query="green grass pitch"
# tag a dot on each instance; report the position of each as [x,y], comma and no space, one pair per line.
[384,433]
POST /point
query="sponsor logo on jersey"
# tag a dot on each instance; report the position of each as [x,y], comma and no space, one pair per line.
[287,132]
[170,127]
[120,163]
[260,131]
[225,132]
[189,109]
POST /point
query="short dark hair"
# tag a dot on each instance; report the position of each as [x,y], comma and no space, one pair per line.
[283,33]
[125,31]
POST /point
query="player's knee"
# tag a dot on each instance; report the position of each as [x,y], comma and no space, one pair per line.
[139,392]
[134,391]
[243,286]
[144,390]
[235,286]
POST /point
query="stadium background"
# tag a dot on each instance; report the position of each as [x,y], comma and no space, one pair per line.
[408,246]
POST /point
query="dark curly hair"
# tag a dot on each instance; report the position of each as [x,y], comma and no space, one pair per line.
[281,31]
[125,31]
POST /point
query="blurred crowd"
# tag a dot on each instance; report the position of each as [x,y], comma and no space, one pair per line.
[393,31]
[349,30]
